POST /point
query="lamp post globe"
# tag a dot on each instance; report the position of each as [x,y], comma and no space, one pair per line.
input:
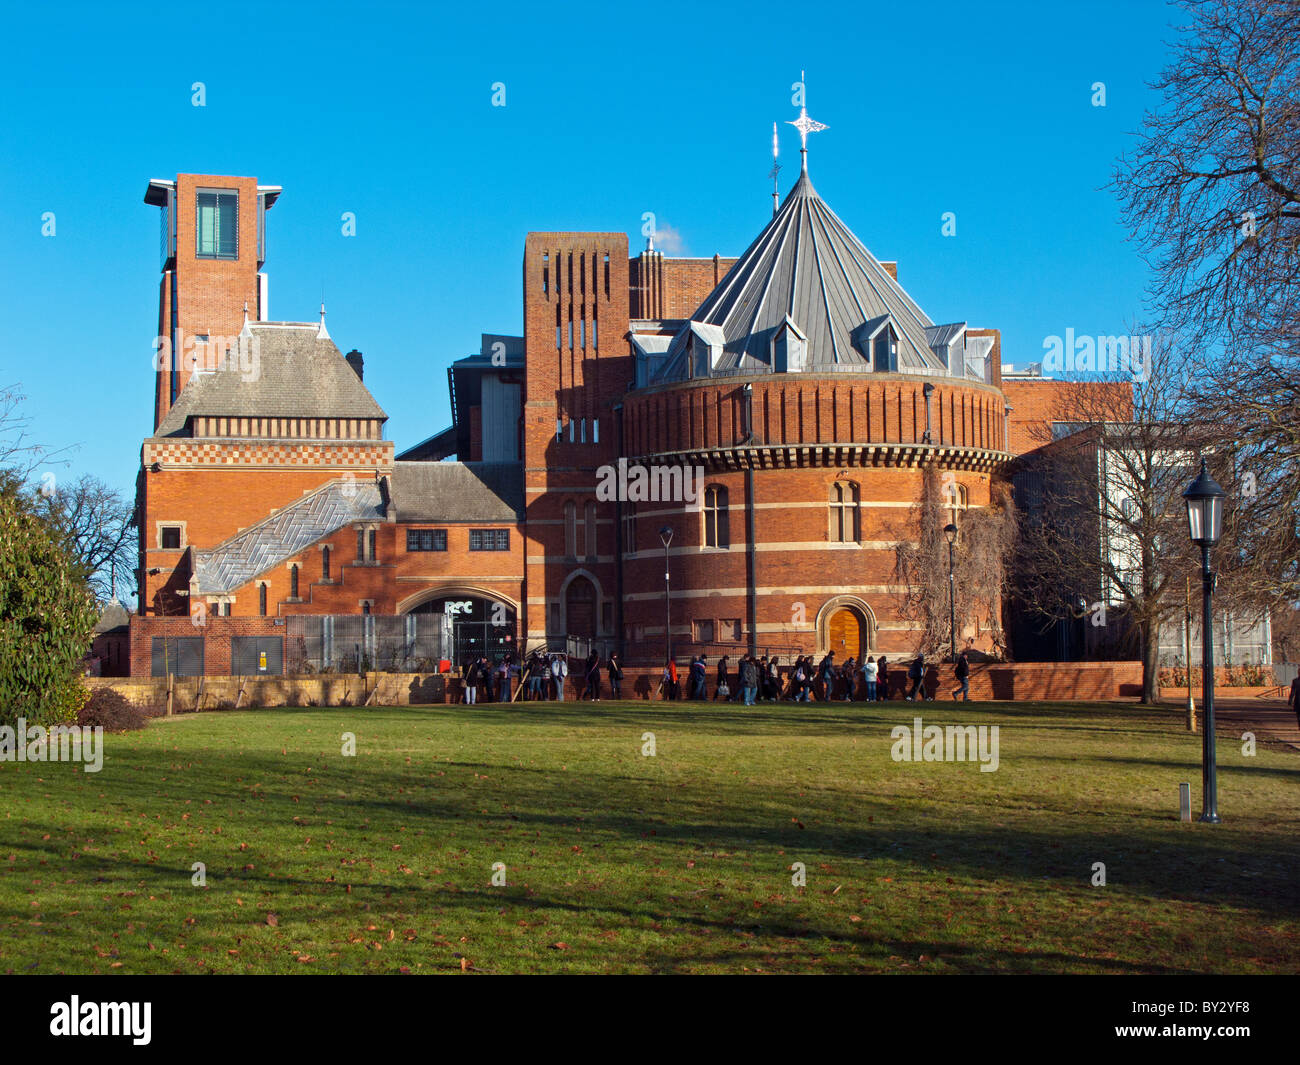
[1204,498]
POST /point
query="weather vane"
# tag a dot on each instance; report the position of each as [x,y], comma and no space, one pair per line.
[805,125]
[776,168]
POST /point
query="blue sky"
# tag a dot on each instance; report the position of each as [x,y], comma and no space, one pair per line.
[386,111]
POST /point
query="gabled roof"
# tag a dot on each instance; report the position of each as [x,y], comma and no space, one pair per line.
[297,373]
[808,266]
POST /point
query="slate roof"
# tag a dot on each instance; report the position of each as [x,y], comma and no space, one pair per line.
[808,266]
[458,491]
[297,373]
[288,531]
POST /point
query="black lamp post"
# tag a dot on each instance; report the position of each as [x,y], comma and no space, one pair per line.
[1204,500]
[666,535]
[950,531]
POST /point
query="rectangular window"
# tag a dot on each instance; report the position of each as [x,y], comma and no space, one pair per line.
[489,539]
[171,537]
[703,631]
[361,545]
[216,218]
[730,629]
[426,539]
[371,553]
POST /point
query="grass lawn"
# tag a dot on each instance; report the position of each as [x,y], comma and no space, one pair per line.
[619,862]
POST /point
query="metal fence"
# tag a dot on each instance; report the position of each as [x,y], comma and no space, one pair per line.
[360,643]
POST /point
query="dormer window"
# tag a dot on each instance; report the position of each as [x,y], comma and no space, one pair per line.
[789,348]
[886,350]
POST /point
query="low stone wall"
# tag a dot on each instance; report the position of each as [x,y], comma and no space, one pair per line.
[228,693]
[1054,681]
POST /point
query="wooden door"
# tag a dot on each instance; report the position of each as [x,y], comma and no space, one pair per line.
[845,632]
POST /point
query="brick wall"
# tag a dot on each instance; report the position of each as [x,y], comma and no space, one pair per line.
[663,287]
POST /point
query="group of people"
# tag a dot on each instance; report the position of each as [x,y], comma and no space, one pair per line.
[492,680]
[546,676]
[757,679]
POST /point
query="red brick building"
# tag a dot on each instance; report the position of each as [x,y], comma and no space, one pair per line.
[784,405]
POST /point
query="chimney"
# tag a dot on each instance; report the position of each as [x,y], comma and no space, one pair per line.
[356,362]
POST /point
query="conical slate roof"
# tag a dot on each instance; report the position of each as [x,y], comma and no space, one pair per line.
[808,267]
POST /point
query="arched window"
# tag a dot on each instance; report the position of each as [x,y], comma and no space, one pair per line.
[717,529]
[261,599]
[845,525]
[324,564]
[589,535]
[570,530]
[293,581]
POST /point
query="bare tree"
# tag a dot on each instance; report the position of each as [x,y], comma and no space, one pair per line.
[1211,191]
[19,456]
[93,522]
[986,538]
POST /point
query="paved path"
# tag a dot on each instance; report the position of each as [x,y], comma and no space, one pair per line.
[1264,717]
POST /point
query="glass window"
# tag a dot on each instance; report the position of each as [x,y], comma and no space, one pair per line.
[717,531]
[489,539]
[293,582]
[261,599]
[844,513]
[426,539]
[171,537]
[217,225]
[325,564]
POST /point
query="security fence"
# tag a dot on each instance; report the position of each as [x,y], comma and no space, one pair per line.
[361,643]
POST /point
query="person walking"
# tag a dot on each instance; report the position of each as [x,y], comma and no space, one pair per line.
[869,673]
[849,674]
[699,675]
[615,670]
[537,669]
[916,674]
[593,677]
[486,679]
[670,680]
[963,678]
[882,680]
[559,671]
[749,679]
[722,689]
[801,681]
[826,674]
[471,682]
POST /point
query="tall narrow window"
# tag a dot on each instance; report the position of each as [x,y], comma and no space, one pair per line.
[216,218]
[844,512]
[325,563]
[958,500]
[293,581]
[261,599]
[629,528]
[589,532]
[361,545]
[371,553]
[570,530]
[717,532]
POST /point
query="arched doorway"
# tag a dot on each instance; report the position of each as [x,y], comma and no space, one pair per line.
[844,634]
[580,608]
